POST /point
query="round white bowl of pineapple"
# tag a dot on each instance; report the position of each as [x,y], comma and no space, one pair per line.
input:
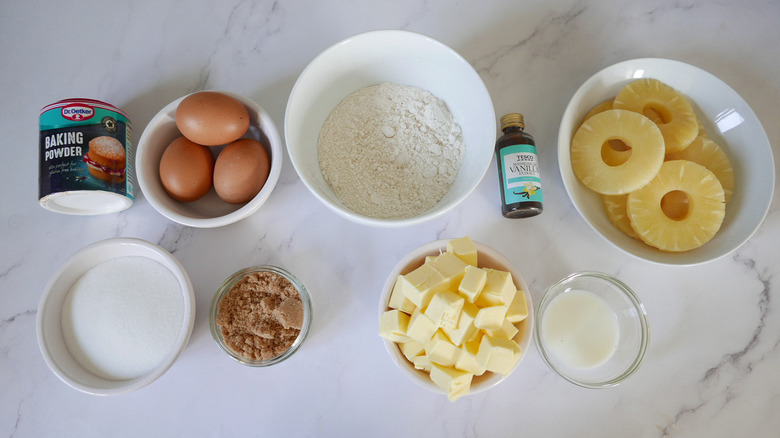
[666,161]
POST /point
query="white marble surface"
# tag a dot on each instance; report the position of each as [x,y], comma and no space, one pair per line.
[713,361]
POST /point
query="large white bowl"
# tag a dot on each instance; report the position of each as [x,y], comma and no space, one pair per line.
[487,258]
[400,57]
[51,340]
[729,121]
[209,211]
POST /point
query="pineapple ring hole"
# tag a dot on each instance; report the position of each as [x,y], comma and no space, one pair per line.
[676,205]
[658,113]
[615,152]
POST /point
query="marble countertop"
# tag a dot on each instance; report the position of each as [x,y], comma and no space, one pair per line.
[712,364]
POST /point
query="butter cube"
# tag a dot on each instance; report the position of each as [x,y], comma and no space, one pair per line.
[498,355]
[456,383]
[421,328]
[499,289]
[393,325]
[466,327]
[464,249]
[472,283]
[477,336]
[420,285]
[491,318]
[518,309]
[422,362]
[467,361]
[444,309]
[411,350]
[441,351]
[450,267]
[398,300]
[507,331]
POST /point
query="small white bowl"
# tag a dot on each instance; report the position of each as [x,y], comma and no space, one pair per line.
[729,121]
[209,211]
[487,258]
[51,340]
[399,57]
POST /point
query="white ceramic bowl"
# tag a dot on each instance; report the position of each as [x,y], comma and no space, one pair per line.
[49,320]
[208,211]
[729,121]
[400,57]
[487,258]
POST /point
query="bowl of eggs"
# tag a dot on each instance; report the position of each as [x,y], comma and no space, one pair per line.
[390,128]
[209,159]
[665,161]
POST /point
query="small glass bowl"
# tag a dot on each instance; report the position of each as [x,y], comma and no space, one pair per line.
[634,331]
[228,284]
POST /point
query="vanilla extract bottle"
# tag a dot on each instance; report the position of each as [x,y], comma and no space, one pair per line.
[518,169]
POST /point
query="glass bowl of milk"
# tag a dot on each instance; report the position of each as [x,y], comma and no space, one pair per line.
[592,329]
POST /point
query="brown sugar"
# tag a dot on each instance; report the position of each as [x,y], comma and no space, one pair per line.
[261,316]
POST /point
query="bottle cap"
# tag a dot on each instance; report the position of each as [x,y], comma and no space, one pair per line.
[512,119]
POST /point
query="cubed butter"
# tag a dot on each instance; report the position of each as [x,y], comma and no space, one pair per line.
[444,309]
[420,285]
[441,351]
[398,300]
[467,361]
[465,249]
[507,330]
[456,383]
[490,318]
[518,310]
[472,283]
[411,350]
[393,326]
[498,355]
[477,336]
[421,328]
[466,328]
[450,267]
[499,289]
[422,362]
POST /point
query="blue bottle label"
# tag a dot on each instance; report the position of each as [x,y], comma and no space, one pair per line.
[521,174]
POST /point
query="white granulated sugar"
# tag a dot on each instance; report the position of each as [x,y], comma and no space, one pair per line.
[390,151]
[121,319]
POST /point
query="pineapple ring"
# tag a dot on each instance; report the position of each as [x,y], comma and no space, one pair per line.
[614,152]
[699,220]
[615,207]
[600,108]
[645,157]
[710,155]
[669,109]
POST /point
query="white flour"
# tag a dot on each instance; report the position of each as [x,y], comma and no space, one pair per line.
[390,151]
[122,317]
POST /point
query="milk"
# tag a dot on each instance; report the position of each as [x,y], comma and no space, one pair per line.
[580,329]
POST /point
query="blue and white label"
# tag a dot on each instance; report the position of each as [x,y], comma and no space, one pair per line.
[522,182]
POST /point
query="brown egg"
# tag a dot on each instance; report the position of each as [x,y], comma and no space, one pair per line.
[210,118]
[186,170]
[241,171]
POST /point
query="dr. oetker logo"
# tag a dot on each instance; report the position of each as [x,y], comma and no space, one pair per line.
[77,112]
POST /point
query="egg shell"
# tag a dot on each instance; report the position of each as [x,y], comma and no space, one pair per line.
[186,170]
[241,171]
[211,118]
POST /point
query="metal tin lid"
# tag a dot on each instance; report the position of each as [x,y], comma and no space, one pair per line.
[86,202]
